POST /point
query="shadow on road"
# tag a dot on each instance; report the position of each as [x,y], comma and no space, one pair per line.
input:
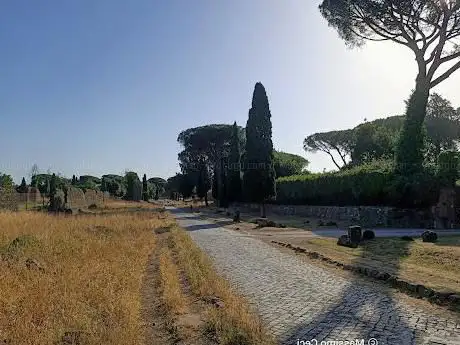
[184,213]
[362,312]
[207,226]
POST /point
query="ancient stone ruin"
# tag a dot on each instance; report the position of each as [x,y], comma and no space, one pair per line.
[137,191]
[75,198]
[93,197]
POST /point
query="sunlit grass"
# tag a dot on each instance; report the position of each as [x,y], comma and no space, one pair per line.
[89,281]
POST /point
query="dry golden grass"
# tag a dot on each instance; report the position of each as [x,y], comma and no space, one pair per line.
[234,323]
[170,286]
[93,268]
[436,265]
[121,204]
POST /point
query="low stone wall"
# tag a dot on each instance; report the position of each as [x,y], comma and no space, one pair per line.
[365,216]
[9,199]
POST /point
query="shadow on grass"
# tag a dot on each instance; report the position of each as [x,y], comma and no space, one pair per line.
[453,241]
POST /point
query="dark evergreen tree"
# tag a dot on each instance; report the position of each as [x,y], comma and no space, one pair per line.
[22,188]
[215,189]
[53,185]
[74,180]
[186,185]
[234,168]
[145,195]
[221,180]
[259,175]
[203,183]
[133,186]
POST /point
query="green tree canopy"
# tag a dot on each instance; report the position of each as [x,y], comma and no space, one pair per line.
[287,164]
[332,143]
[430,29]
[113,184]
[377,139]
[6,181]
[203,146]
[372,142]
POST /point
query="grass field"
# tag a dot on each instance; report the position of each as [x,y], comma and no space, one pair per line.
[85,278]
[82,280]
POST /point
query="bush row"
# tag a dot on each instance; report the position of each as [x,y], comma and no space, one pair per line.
[369,184]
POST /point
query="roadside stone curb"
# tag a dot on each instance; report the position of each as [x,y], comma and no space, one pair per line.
[411,289]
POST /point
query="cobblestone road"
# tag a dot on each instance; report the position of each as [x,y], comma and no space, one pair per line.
[299,301]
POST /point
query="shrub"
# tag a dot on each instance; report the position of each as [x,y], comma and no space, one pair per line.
[368,235]
[361,185]
[373,184]
[447,168]
[57,201]
[429,236]
[418,190]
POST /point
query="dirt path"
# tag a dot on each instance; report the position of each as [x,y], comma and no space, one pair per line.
[161,327]
[301,301]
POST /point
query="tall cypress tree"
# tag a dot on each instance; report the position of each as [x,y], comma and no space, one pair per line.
[259,176]
[145,192]
[234,167]
[23,186]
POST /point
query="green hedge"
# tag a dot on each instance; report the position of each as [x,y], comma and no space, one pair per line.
[369,184]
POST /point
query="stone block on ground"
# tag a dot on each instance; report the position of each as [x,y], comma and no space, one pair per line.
[355,233]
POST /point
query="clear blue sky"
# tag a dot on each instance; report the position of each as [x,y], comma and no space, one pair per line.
[101,86]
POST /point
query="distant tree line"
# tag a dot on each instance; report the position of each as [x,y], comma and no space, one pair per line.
[128,186]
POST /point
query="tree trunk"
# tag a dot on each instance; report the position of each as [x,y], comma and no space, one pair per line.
[206,199]
[409,152]
[262,210]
